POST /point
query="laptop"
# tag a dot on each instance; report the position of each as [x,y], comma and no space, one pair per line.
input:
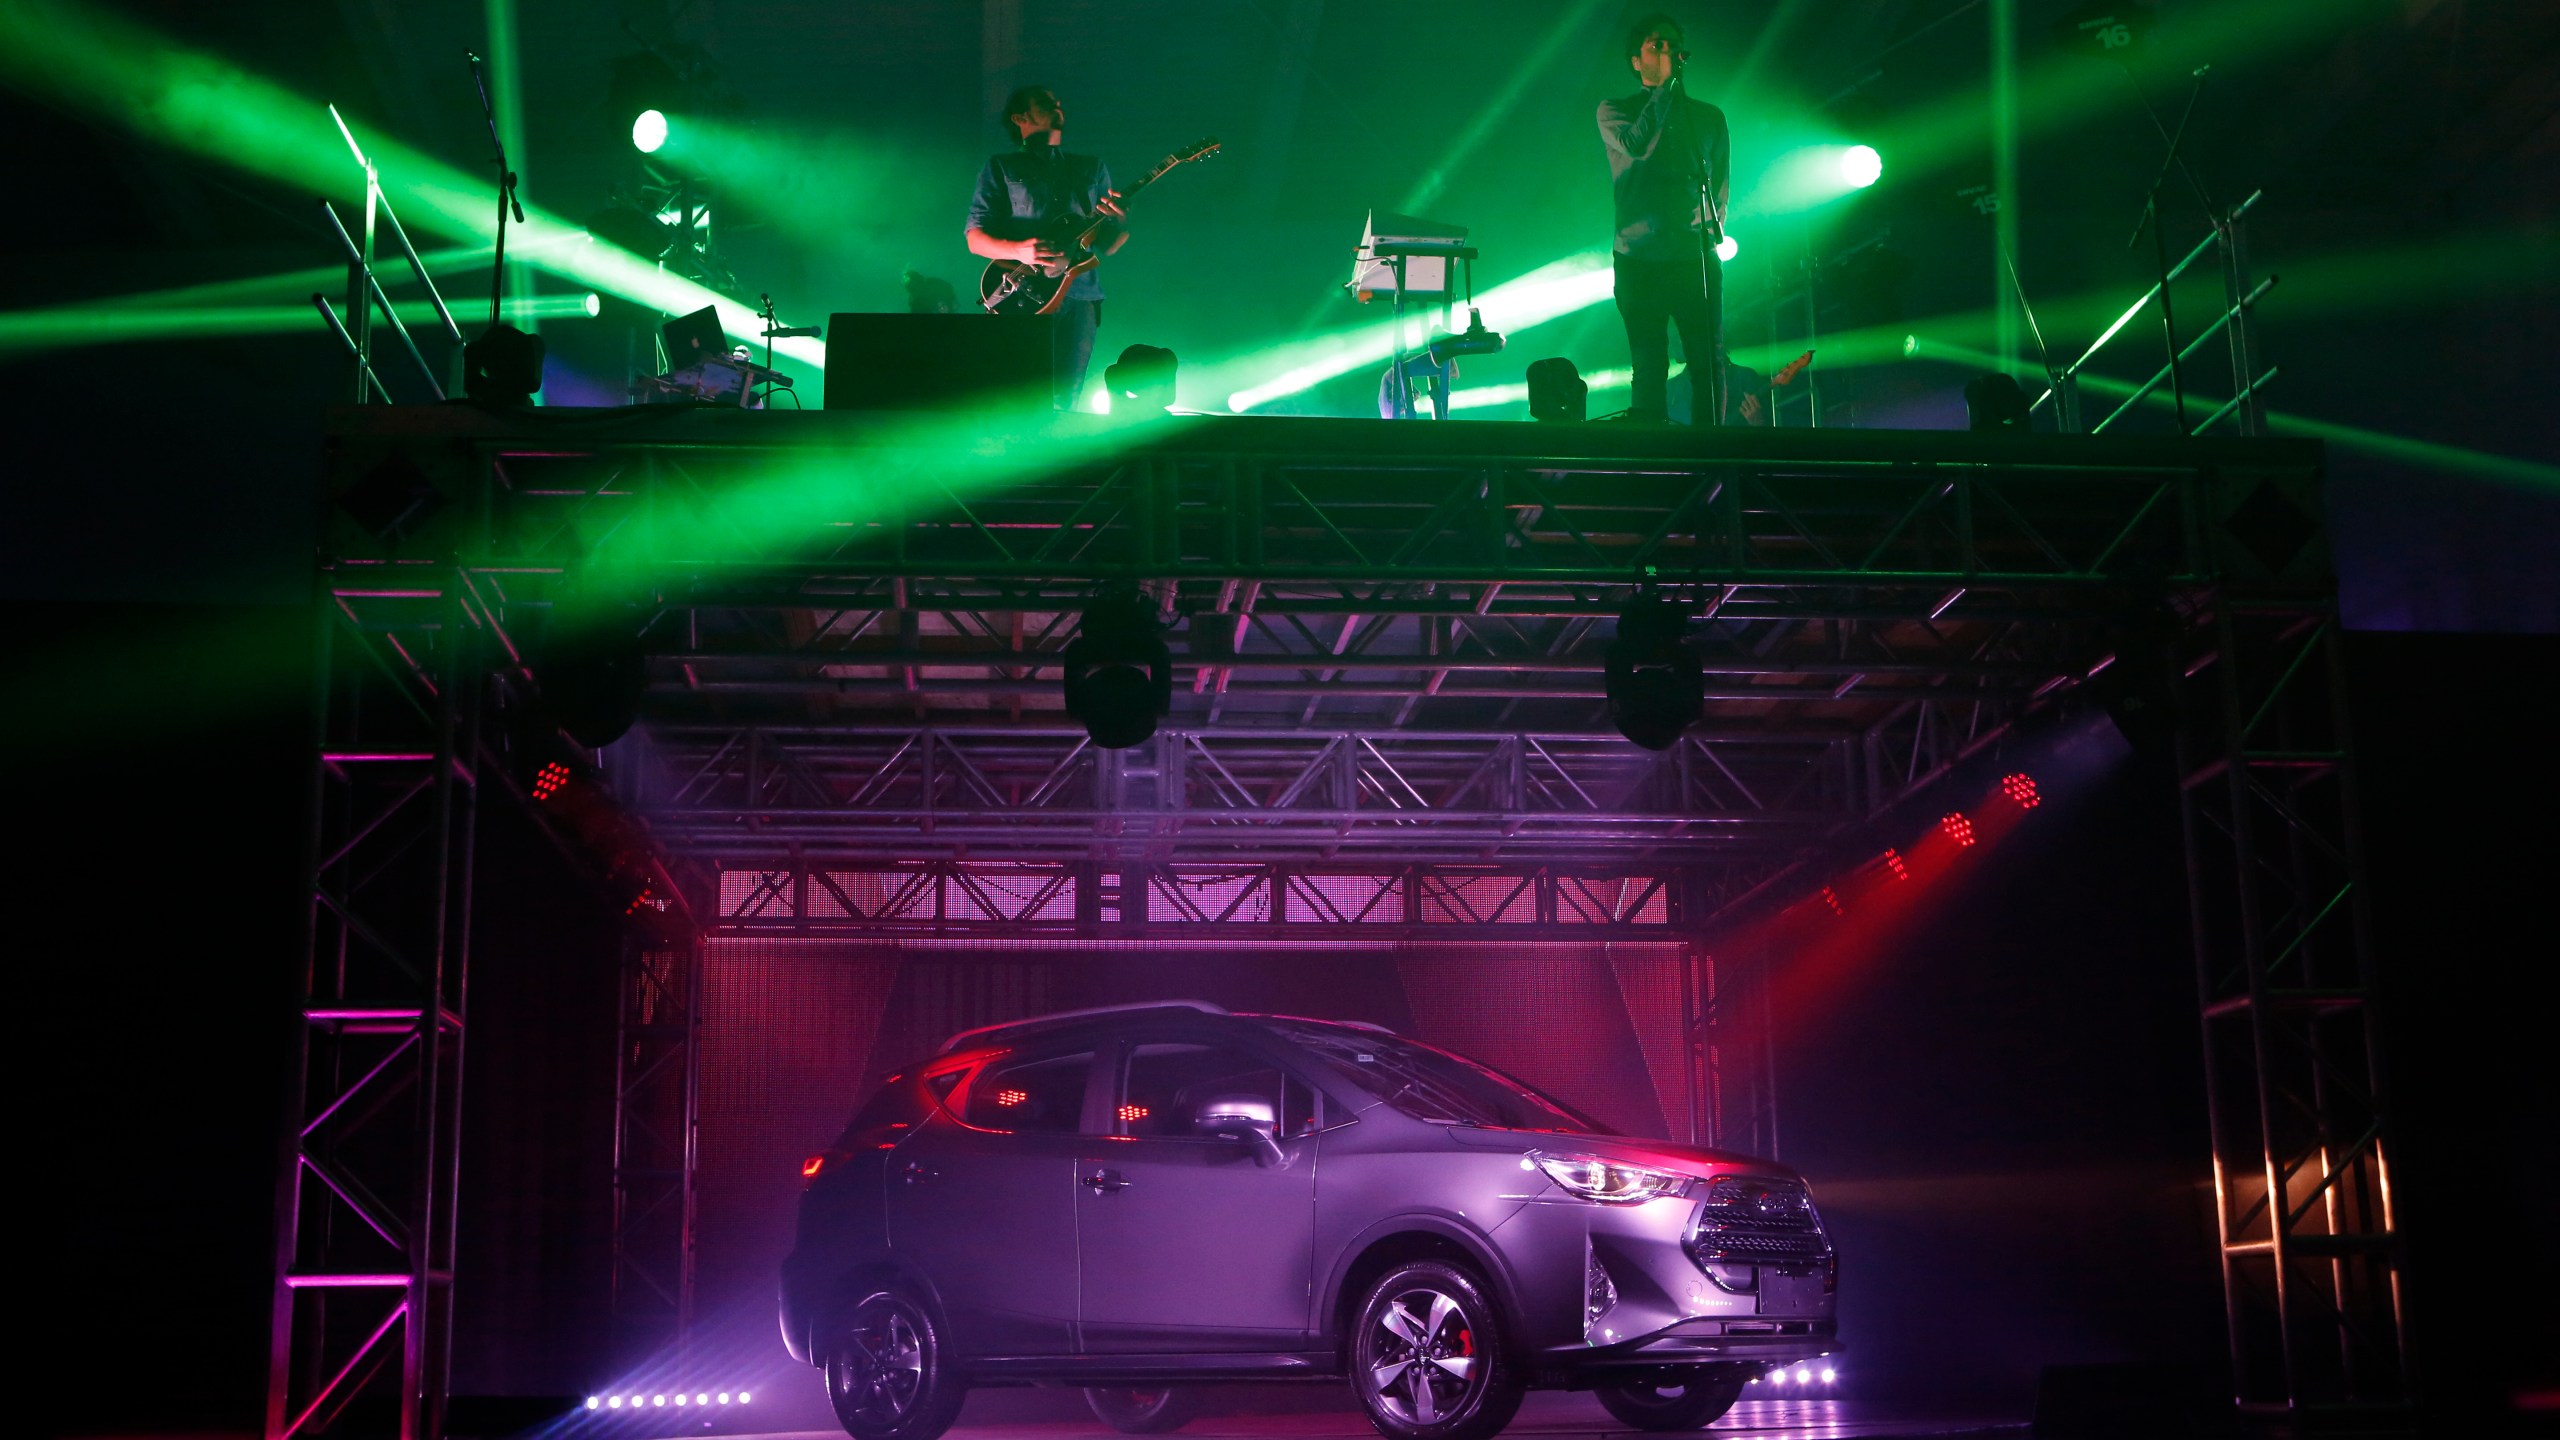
[692,339]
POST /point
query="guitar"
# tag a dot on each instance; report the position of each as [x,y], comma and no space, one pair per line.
[1013,287]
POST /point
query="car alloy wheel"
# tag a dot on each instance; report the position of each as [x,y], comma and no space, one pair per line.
[1673,1400]
[885,1372]
[1427,1358]
[1142,1409]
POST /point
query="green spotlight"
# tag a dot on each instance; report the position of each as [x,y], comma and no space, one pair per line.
[649,131]
[595,304]
[1727,248]
[1861,166]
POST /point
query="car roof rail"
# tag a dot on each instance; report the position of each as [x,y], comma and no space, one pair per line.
[1347,1024]
[988,1032]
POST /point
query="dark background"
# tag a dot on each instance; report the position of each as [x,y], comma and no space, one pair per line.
[2004,1110]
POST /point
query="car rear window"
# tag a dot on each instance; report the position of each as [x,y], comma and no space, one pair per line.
[1040,1093]
[900,1104]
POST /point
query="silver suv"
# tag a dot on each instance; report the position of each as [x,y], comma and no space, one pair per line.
[1141,1199]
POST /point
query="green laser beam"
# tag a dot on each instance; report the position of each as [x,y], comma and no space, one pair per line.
[69,327]
[1501,107]
[2067,88]
[2422,454]
[108,66]
[1546,293]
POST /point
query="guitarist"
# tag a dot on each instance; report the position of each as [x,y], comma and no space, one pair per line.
[1024,199]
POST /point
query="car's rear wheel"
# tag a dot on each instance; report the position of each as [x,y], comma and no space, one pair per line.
[1427,1357]
[1673,1400]
[889,1371]
[1142,1409]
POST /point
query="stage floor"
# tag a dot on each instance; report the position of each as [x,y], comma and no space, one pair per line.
[1552,1416]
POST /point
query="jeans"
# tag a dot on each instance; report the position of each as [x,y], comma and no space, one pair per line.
[1071,328]
[1652,296]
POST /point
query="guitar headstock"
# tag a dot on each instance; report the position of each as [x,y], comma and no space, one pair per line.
[1200,149]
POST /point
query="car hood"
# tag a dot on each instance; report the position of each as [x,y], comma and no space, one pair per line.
[1661,1154]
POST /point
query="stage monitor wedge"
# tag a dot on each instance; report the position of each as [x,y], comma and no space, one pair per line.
[997,364]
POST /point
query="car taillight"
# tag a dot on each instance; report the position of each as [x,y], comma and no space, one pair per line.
[810,1167]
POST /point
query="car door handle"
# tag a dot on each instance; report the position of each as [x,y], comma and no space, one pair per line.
[1105,1182]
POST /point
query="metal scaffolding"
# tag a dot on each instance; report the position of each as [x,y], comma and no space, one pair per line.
[370,1170]
[657,1101]
[1388,723]
[2312,1254]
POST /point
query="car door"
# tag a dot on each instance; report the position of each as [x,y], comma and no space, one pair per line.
[982,1202]
[1191,1242]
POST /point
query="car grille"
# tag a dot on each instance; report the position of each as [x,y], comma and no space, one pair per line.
[1746,1220]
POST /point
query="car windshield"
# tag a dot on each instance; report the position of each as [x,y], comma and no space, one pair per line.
[1435,1085]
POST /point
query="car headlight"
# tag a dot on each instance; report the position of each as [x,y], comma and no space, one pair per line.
[1609,1182]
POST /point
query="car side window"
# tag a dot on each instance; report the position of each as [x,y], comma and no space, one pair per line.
[1166,1088]
[1035,1094]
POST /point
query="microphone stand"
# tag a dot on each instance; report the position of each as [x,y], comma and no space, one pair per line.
[506,184]
[1708,238]
[2160,251]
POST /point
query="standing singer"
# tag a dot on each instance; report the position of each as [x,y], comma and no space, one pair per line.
[1668,154]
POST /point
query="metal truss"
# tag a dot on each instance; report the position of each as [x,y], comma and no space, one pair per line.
[1371,903]
[1732,1055]
[2312,1253]
[657,1094]
[737,794]
[1389,723]
[367,1185]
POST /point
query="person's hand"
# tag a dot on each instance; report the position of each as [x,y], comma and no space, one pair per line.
[1109,205]
[1037,252]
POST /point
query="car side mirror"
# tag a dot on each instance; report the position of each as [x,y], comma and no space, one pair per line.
[1248,1118]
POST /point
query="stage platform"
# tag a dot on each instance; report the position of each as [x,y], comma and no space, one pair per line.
[1543,1416]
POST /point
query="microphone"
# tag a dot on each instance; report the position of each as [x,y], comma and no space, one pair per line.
[471,55]
[2198,72]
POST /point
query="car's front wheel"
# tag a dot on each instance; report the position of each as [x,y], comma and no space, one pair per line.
[1427,1357]
[889,1371]
[1675,1400]
[1142,1409]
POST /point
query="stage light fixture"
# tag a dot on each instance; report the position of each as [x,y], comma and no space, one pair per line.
[649,131]
[503,366]
[1727,248]
[1557,391]
[593,668]
[1861,166]
[2021,790]
[1893,862]
[1119,672]
[1143,382]
[1996,402]
[1958,829]
[1655,685]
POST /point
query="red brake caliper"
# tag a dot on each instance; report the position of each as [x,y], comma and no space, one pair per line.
[1466,1341]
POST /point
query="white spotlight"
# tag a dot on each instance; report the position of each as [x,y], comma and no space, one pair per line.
[657,1399]
[679,1400]
[742,1397]
[701,1399]
[1829,1375]
[614,1403]
[1861,166]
